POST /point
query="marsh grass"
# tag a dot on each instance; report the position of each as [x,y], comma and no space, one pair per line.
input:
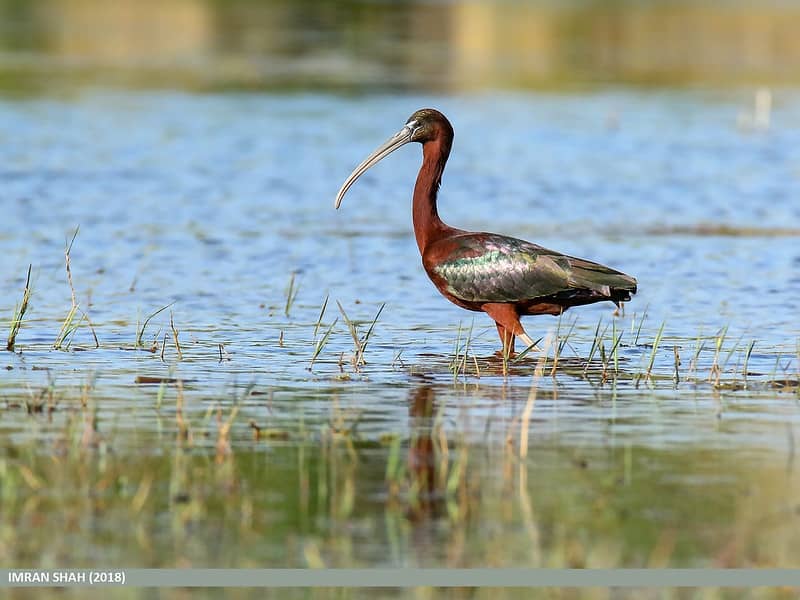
[332,458]
[305,476]
[609,354]
[69,326]
[612,354]
[532,348]
[648,375]
[175,336]
[359,342]
[461,352]
[140,330]
[319,344]
[560,343]
[455,360]
[597,342]
[677,365]
[322,309]
[747,361]
[609,359]
[368,334]
[291,293]
[716,370]
[641,324]
[207,483]
[19,313]
[699,345]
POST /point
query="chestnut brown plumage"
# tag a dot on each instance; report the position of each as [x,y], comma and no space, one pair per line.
[502,276]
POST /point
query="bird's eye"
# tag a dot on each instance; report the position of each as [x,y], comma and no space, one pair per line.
[416,129]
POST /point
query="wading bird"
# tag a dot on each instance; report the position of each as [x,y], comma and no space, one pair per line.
[502,276]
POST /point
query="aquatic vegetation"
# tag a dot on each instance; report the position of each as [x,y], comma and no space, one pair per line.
[175,336]
[19,313]
[69,325]
[258,429]
[359,342]
[140,330]
[442,471]
[649,374]
[458,364]
[319,343]
[291,293]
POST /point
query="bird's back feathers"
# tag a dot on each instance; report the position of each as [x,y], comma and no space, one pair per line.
[486,267]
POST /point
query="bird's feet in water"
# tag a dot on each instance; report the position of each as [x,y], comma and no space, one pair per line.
[530,347]
[501,354]
[512,355]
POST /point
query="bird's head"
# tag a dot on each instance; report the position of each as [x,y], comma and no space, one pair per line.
[425,125]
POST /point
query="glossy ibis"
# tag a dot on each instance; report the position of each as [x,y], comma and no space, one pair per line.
[502,276]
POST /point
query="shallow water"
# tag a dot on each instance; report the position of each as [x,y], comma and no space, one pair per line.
[211,202]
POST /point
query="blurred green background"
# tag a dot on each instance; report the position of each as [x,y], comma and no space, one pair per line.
[371,45]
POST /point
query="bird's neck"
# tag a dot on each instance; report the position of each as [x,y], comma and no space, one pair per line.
[428,227]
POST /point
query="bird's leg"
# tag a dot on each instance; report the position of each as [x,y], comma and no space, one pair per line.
[507,319]
[507,339]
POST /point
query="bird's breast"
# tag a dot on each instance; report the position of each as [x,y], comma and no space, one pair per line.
[447,290]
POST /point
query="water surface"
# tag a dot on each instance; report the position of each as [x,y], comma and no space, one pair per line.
[212,202]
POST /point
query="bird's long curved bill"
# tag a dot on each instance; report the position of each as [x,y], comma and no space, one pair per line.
[393,143]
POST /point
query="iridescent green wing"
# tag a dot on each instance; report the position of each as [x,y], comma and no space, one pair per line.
[494,268]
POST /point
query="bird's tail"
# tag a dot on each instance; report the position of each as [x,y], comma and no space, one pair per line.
[602,281]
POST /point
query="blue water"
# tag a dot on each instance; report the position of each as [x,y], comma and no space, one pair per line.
[211,202]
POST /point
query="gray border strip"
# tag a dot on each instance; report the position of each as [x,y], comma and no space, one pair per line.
[402,578]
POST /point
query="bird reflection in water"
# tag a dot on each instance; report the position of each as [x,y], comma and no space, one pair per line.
[422,458]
